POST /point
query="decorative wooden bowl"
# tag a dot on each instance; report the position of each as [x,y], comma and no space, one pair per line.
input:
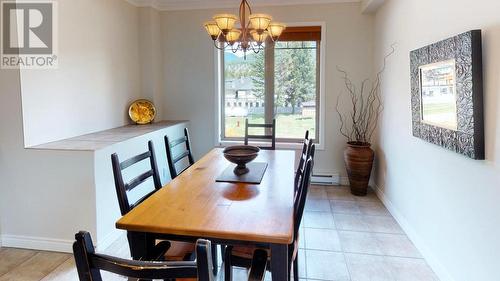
[142,111]
[241,155]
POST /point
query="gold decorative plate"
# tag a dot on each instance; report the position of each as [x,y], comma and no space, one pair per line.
[142,111]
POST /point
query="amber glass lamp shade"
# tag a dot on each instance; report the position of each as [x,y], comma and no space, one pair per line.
[233,35]
[259,38]
[260,22]
[225,22]
[212,29]
[276,29]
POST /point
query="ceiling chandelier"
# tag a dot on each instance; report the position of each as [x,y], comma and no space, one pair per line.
[251,34]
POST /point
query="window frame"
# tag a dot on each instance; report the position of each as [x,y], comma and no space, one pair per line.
[286,143]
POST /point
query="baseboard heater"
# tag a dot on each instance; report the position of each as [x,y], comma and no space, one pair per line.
[326,179]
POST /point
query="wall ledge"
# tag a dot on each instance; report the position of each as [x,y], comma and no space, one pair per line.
[102,139]
[419,243]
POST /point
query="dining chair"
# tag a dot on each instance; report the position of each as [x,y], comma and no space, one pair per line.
[89,264]
[186,154]
[303,157]
[172,163]
[172,249]
[266,136]
[241,255]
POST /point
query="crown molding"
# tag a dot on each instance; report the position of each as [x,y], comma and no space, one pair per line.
[371,6]
[143,3]
[177,5]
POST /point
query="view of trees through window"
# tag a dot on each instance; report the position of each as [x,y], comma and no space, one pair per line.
[295,89]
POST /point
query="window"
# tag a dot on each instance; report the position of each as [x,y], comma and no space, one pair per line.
[282,81]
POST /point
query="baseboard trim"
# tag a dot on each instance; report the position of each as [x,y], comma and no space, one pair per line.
[429,256]
[344,181]
[37,243]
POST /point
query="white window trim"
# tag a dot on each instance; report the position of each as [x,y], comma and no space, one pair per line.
[322,64]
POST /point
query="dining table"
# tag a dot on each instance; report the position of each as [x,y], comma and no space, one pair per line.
[194,205]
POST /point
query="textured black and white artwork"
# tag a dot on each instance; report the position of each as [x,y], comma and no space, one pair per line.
[463,134]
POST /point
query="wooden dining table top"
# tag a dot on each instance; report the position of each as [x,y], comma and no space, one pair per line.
[195,205]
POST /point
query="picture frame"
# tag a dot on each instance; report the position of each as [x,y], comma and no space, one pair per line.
[447,94]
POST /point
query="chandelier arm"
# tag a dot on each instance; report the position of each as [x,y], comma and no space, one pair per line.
[235,50]
[251,47]
[224,46]
[248,5]
[257,48]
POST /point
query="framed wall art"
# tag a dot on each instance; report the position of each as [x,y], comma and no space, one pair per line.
[447,94]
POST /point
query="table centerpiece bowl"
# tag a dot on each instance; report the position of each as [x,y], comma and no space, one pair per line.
[241,155]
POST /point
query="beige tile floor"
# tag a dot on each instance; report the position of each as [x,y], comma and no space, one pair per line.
[343,237]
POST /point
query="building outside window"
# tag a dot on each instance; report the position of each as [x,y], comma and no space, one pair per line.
[281,82]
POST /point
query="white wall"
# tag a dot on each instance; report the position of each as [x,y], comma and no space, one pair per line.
[447,203]
[189,63]
[151,55]
[11,135]
[26,191]
[98,74]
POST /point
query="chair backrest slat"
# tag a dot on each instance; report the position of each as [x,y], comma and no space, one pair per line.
[260,125]
[180,157]
[187,153]
[139,201]
[136,159]
[177,141]
[259,137]
[122,187]
[138,180]
[265,136]
[152,270]
[89,264]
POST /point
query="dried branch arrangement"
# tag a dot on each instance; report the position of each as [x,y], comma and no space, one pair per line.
[359,124]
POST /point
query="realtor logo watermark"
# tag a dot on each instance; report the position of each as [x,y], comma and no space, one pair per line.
[29,34]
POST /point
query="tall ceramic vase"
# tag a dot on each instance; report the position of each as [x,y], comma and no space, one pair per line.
[358,159]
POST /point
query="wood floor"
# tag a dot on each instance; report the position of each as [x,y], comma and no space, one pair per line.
[342,238]
[29,265]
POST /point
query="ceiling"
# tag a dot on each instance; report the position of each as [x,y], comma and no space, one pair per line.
[169,5]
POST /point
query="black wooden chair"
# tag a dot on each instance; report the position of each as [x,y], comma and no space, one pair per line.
[172,161]
[306,145]
[89,264]
[241,255]
[172,250]
[265,136]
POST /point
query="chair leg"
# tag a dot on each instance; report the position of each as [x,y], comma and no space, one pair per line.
[215,259]
[296,269]
[223,252]
[228,269]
